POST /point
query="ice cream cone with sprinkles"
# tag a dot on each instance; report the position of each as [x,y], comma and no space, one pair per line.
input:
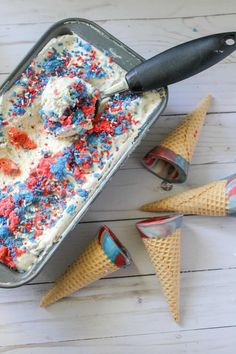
[214,199]
[171,158]
[161,238]
[104,255]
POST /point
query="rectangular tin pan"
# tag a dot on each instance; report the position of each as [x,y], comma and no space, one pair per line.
[127,59]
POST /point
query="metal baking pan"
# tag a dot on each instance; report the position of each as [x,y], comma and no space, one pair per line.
[124,57]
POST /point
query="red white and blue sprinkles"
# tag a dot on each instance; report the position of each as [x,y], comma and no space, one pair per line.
[58,183]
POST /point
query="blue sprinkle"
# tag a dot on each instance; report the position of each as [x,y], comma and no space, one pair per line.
[27,196]
[83,193]
[82,131]
[71,208]
[16,197]
[58,169]
[96,174]
[4,232]
[3,220]
[118,130]
[87,46]
[2,195]
[107,52]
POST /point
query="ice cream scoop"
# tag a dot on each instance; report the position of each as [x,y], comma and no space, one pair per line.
[68,106]
[176,64]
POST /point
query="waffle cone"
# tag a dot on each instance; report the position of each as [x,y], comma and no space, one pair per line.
[164,253]
[209,199]
[182,140]
[91,265]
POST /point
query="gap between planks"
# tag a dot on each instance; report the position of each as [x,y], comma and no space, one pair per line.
[118,277]
[95,339]
[121,302]
[45,11]
[102,21]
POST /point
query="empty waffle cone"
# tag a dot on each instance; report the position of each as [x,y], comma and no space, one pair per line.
[213,199]
[161,238]
[171,158]
[104,255]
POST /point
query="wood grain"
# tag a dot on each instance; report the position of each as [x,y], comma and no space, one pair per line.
[218,82]
[217,143]
[117,307]
[48,11]
[211,340]
[201,246]
[164,33]
[142,186]
[16,40]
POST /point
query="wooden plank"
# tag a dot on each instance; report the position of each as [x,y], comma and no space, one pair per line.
[216,144]
[45,11]
[129,189]
[219,82]
[210,340]
[183,94]
[147,37]
[117,307]
[206,243]
[156,35]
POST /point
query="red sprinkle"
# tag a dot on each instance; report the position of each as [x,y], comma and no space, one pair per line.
[19,138]
[5,257]
[13,221]
[8,167]
[3,252]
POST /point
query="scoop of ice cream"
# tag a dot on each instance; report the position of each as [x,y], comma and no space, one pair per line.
[68,106]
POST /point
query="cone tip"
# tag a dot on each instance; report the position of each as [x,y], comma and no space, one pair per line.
[48,299]
[153,207]
[44,302]
[209,97]
[176,317]
[206,100]
[144,207]
[202,106]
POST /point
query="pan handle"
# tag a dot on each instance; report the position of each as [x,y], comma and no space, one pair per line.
[181,62]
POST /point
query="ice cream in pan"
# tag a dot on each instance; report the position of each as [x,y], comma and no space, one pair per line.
[54,148]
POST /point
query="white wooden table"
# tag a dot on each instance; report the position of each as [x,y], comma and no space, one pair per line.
[127,312]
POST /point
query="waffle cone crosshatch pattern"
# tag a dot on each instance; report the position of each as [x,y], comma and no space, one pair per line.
[104,255]
[161,238]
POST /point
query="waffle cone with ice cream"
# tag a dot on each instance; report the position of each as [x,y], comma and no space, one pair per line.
[161,238]
[171,158]
[104,255]
[214,199]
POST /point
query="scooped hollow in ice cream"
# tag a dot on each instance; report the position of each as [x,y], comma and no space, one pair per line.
[68,106]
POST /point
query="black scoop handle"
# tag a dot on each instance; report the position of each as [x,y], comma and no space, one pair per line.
[181,62]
